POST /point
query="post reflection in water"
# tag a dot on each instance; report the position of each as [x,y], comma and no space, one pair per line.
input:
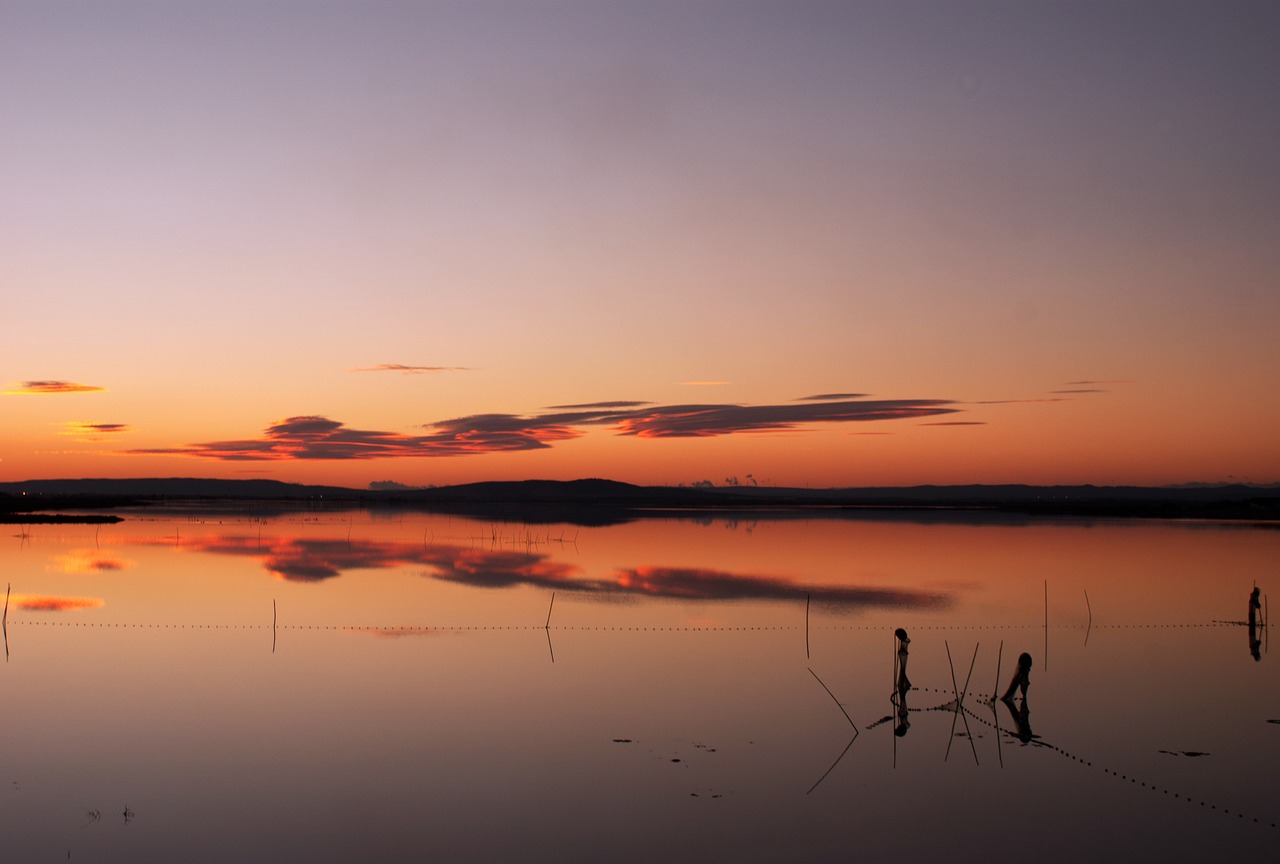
[1021,679]
[408,697]
[1255,606]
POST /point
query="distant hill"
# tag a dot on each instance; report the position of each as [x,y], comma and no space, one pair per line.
[596,501]
[170,487]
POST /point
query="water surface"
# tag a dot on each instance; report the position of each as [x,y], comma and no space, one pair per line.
[335,687]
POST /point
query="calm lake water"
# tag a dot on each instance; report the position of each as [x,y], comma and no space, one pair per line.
[355,686]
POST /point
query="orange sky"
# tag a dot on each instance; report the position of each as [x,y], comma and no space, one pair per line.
[818,244]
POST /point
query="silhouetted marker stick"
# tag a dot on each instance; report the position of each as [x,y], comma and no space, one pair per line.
[837,701]
[7,589]
[549,608]
[995,691]
[965,691]
[806,630]
[1046,625]
[954,689]
[1089,628]
[894,685]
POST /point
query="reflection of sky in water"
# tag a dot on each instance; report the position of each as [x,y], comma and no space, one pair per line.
[51,603]
[313,559]
[687,728]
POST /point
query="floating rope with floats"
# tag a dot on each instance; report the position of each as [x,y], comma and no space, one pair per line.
[1119,775]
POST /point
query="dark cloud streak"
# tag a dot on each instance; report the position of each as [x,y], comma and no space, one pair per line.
[316,437]
[93,430]
[36,388]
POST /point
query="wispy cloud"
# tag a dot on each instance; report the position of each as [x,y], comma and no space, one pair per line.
[317,437]
[830,397]
[589,405]
[695,421]
[404,369]
[84,431]
[955,423]
[40,388]
[1074,392]
[1092,383]
[313,437]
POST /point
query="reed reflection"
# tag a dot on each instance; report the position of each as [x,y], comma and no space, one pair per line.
[297,559]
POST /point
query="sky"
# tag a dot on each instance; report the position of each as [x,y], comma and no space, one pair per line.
[794,244]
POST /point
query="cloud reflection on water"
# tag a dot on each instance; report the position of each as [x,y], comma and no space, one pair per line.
[705,584]
[297,559]
[53,602]
[85,561]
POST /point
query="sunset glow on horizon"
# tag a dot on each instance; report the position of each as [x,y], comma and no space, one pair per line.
[804,244]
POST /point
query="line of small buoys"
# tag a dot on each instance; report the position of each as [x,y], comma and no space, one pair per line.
[588,628]
[1119,775]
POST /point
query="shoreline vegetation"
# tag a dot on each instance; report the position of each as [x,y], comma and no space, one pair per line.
[595,501]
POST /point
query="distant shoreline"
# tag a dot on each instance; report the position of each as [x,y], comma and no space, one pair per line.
[595,501]
[58,519]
